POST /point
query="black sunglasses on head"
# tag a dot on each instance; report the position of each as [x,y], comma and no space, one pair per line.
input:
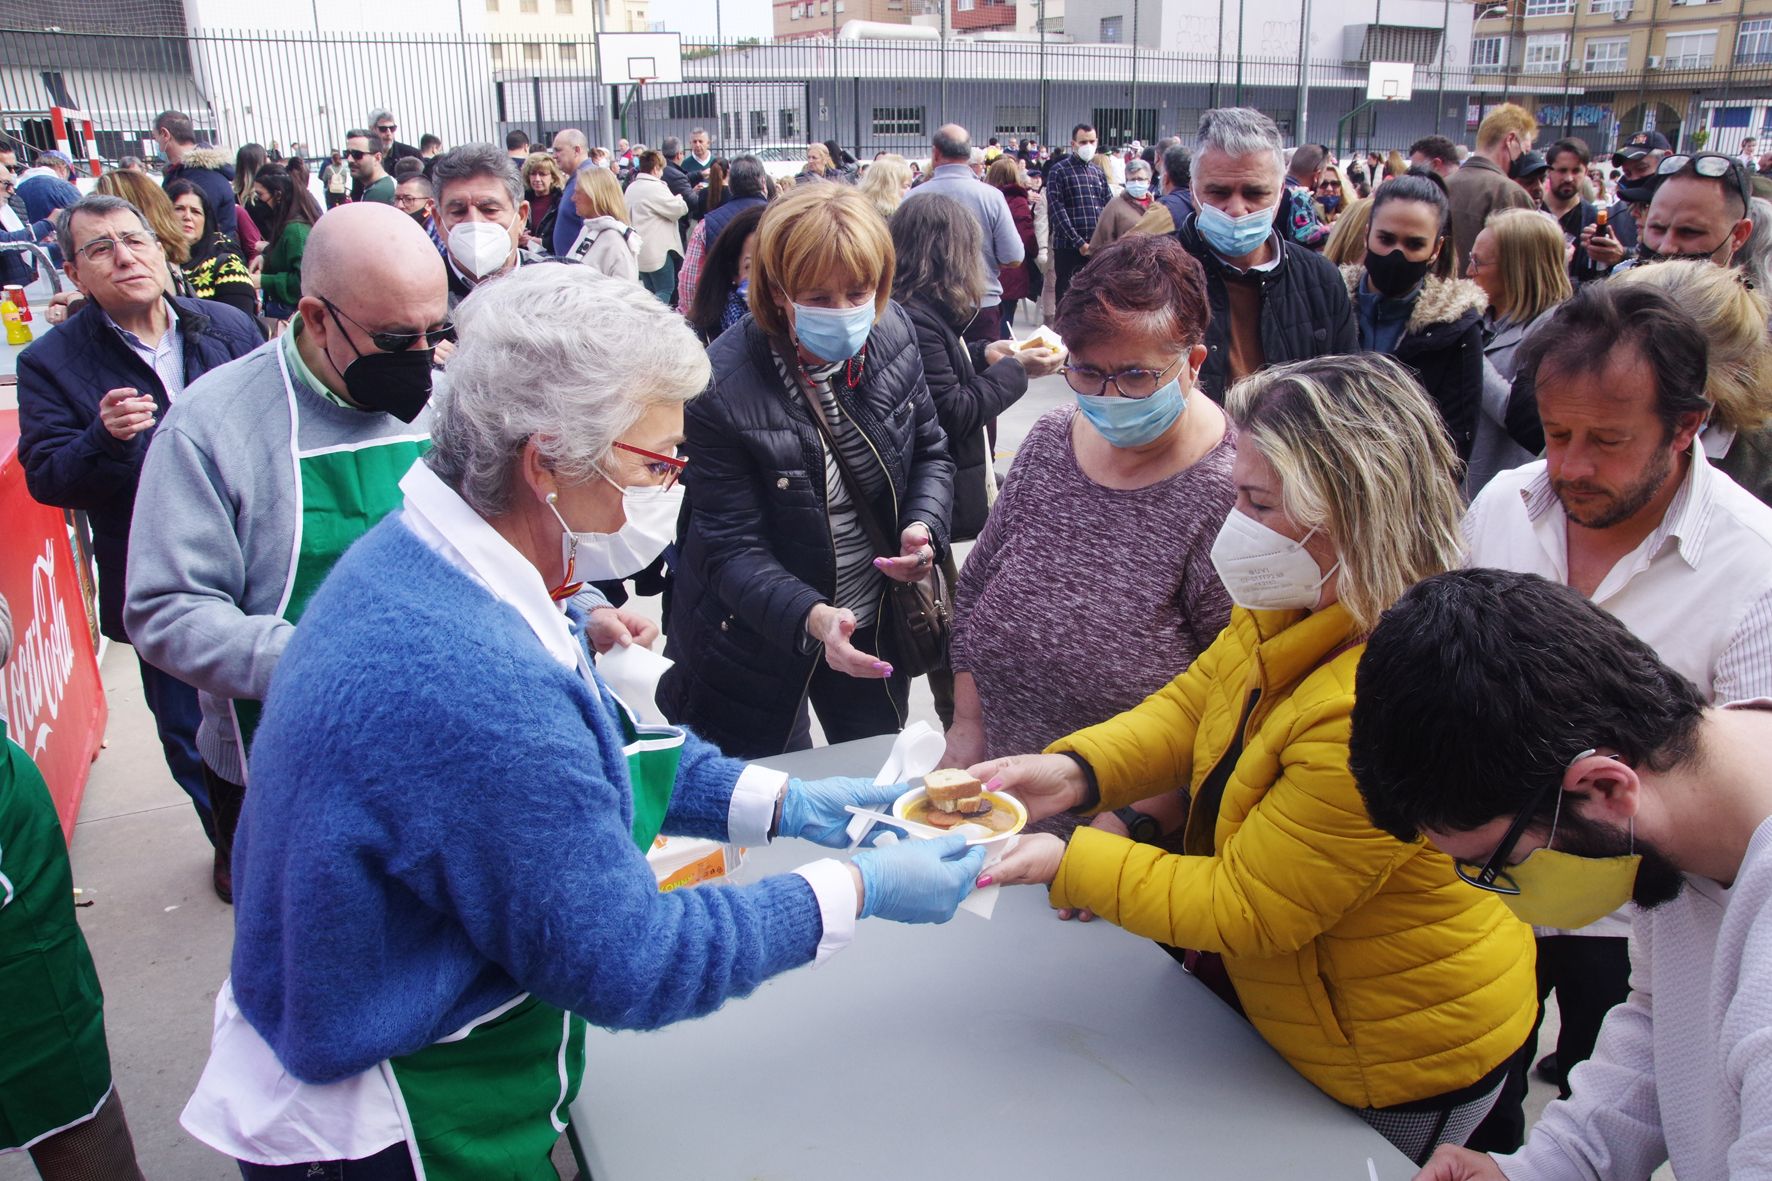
[1711,166]
[398,342]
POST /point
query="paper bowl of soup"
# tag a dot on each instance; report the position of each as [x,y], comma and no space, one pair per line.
[990,828]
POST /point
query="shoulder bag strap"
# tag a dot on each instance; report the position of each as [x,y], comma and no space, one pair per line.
[863,510]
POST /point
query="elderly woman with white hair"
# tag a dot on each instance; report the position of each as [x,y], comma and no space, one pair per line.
[440,873]
[1125,209]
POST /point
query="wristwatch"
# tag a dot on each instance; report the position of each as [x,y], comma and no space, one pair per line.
[1141,826]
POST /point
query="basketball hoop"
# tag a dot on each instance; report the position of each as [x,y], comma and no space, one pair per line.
[1390,82]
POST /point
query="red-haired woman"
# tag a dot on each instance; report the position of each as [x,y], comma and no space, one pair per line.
[1057,628]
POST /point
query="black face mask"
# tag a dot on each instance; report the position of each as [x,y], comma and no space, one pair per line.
[1647,254]
[1393,275]
[422,217]
[261,212]
[392,383]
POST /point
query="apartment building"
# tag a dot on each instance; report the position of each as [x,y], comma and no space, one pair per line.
[552,31]
[1695,70]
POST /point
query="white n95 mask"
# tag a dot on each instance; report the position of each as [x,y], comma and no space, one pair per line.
[1263,569]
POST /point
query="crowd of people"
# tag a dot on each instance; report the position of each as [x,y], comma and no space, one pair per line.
[1418,495]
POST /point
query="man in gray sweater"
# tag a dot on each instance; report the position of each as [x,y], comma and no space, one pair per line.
[268,468]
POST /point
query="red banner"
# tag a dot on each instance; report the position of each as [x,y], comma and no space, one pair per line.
[50,692]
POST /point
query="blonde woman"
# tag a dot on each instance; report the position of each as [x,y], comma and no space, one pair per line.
[818,163]
[1347,237]
[1737,438]
[1518,259]
[779,590]
[1362,959]
[543,183]
[606,242]
[885,183]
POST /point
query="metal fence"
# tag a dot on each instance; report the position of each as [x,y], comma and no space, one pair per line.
[304,91]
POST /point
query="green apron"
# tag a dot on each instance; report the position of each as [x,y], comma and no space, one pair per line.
[341,493]
[54,1067]
[491,1100]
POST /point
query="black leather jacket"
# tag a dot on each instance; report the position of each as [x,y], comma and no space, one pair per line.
[756,549]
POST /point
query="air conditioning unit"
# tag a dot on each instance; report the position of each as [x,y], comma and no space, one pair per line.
[1654,62]
[1575,67]
[1621,14]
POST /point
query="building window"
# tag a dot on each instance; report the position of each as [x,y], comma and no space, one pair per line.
[839,5]
[563,7]
[498,52]
[1690,51]
[898,120]
[1606,57]
[1549,7]
[1600,7]
[568,51]
[963,6]
[531,52]
[529,6]
[1021,122]
[793,12]
[1545,53]
[1753,43]
[1111,27]
[491,5]
[788,120]
[1487,52]
[759,124]
[725,125]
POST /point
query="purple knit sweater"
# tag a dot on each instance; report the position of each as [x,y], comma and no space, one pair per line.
[1079,601]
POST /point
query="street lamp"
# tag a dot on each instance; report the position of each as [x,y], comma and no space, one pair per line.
[1492,10]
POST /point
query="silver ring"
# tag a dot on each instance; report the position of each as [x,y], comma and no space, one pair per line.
[922,559]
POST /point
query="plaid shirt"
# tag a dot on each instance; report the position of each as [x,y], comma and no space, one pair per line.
[1076,193]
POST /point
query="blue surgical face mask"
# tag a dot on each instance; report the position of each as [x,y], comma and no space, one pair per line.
[744,288]
[833,334]
[1138,189]
[1133,422]
[1233,237]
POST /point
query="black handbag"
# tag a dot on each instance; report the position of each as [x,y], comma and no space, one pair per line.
[916,617]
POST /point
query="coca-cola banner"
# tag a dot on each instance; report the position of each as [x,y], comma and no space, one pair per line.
[50,693]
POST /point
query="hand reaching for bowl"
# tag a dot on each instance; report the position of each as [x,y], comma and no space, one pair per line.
[1047,784]
[1033,862]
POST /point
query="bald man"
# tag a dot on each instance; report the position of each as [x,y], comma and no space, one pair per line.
[268,468]
[571,149]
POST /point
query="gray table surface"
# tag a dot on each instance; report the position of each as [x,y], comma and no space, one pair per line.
[1060,1050]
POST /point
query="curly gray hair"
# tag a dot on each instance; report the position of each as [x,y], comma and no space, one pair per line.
[528,368]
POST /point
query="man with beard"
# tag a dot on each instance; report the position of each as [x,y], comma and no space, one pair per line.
[1594,256]
[1700,210]
[1625,509]
[1533,738]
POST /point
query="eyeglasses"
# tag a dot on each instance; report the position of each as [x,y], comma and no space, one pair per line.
[667,469]
[105,249]
[1127,383]
[1712,166]
[409,201]
[1492,875]
[388,128]
[354,154]
[1473,264]
[398,342]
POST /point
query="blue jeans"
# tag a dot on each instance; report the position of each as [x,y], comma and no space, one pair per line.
[176,716]
[393,1163]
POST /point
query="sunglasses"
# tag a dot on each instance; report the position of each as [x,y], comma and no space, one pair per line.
[665,468]
[389,128]
[397,342]
[1712,166]
[354,154]
[1492,875]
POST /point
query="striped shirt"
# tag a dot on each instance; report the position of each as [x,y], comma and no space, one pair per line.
[858,583]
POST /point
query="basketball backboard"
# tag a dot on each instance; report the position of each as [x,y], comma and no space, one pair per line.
[1390,81]
[640,57]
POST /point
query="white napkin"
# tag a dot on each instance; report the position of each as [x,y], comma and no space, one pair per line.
[632,674]
[916,752]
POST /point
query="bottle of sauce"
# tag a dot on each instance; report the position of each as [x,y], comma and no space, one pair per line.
[17,331]
[1601,229]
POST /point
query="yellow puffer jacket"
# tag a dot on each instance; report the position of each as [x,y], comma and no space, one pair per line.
[1364,961]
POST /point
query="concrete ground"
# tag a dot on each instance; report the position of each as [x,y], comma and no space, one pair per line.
[161,938]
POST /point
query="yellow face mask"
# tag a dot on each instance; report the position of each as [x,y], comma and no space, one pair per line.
[1550,888]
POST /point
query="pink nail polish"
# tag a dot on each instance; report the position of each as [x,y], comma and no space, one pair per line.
[886,668]
[995,784]
[983,881]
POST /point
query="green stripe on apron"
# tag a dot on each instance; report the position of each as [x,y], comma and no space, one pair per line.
[492,1103]
[343,492]
[54,1066]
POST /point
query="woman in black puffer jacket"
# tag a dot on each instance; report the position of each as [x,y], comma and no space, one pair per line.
[778,591]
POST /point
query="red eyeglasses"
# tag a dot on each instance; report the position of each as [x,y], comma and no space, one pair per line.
[664,468]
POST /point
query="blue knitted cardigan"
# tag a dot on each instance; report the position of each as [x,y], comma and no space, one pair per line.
[438,821]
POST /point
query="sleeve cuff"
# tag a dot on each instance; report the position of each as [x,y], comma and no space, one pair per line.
[834,887]
[752,809]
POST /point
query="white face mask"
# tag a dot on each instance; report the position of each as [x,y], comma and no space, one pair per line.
[1264,570]
[480,247]
[1085,152]
[651,525]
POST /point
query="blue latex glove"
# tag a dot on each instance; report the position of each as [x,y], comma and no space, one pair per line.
[918,881]
[813,809]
